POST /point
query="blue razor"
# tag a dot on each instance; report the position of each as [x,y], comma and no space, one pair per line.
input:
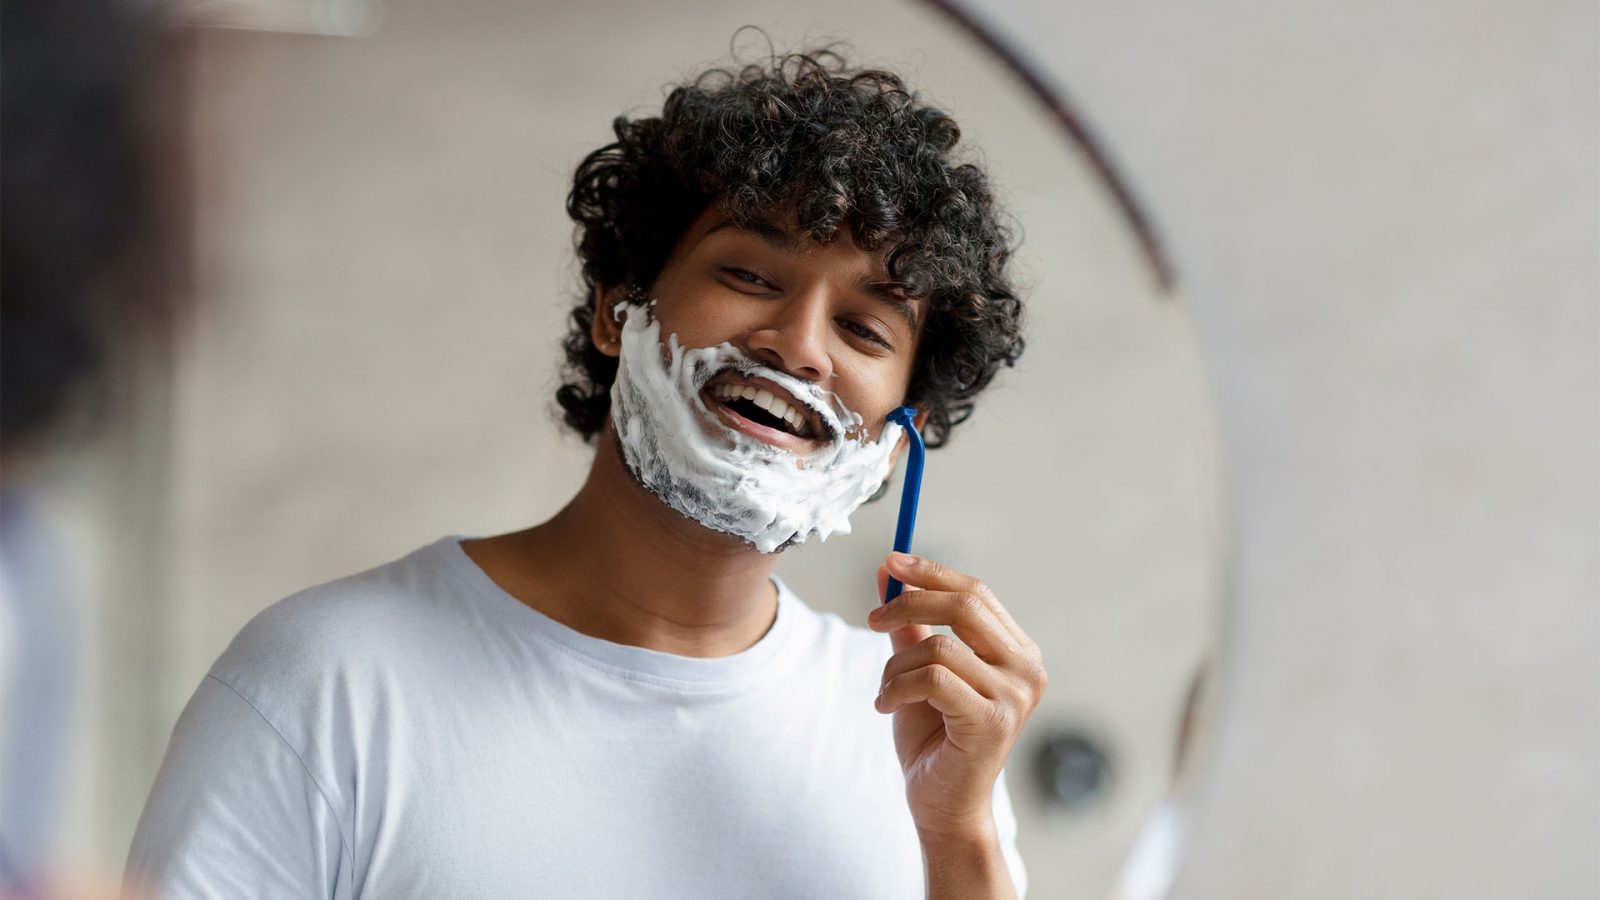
[908,494]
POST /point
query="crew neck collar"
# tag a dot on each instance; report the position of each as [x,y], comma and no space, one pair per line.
[688,673]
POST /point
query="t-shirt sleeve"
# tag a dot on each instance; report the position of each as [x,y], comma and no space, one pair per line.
[1005,823]
[235,812]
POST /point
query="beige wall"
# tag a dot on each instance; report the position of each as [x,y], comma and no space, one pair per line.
[383,265]
[1386,217]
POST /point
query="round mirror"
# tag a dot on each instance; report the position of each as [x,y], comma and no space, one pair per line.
[383,264]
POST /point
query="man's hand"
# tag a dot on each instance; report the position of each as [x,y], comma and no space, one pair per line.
[959,704]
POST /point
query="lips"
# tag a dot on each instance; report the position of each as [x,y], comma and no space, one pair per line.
[765,411]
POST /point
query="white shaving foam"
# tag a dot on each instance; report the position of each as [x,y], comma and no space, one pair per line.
[723,478]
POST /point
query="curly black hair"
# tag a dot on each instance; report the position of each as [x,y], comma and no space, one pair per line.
[840,147]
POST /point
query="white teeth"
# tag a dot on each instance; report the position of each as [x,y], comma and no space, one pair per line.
[766,400]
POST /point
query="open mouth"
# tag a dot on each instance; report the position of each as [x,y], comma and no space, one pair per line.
[769,415]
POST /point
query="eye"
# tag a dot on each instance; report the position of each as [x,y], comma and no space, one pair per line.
[747,276]
[868,333]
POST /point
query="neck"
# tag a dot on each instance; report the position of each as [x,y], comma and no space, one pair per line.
[618,564]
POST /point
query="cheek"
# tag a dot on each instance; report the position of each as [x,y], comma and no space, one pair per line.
[880,392]
[698,315]
[682,320]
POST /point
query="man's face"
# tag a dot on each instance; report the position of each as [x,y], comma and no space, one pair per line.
[824,314]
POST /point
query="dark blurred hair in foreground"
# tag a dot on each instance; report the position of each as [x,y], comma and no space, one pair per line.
[88,113]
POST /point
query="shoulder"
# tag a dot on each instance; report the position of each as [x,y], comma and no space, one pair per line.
[350,629]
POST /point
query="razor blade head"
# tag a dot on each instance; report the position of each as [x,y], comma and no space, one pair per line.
[903,417]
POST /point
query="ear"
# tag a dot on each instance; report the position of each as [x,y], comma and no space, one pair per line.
[606,329]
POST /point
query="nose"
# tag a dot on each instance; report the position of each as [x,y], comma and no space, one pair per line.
[794,336]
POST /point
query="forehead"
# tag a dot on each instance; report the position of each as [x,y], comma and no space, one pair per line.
[777,227]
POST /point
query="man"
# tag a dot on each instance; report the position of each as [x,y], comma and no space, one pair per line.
[623,701]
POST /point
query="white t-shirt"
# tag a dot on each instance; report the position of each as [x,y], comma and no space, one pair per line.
[415,731]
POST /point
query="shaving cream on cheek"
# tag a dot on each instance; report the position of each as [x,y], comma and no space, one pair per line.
[725,479]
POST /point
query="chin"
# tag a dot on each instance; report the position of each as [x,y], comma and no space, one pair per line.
[783,546]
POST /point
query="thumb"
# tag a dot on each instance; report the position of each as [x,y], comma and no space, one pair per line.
[906,635]
[883,583]
[909,636]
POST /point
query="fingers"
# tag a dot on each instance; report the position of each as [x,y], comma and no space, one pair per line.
[943,596]
[942,689]
[968,616]
[930,575]
[943,650]
[908,635]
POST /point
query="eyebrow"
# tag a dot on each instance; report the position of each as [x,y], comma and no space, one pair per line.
[775,237]
[784,241]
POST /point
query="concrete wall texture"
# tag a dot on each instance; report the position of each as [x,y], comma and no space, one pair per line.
[1386,217]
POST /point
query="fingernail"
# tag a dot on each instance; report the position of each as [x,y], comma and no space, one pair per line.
[904,559]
